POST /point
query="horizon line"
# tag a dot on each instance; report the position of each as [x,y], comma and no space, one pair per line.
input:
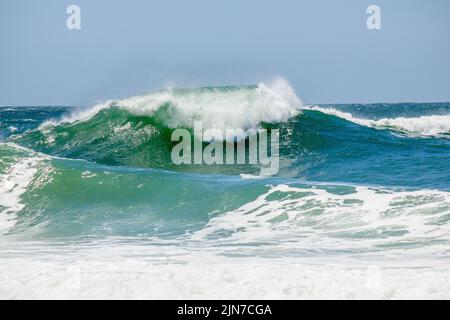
[306,104]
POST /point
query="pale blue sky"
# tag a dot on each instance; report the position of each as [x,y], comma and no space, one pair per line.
[130,47]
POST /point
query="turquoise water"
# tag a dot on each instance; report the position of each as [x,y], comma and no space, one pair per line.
[354,180]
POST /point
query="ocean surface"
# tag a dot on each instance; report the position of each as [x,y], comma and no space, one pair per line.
[91,205]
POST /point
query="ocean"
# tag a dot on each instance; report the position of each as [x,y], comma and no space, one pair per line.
[91,205]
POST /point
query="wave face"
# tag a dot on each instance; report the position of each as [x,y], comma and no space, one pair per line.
[362,190]
[137,131]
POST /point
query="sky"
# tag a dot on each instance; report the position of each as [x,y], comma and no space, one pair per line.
[322,47]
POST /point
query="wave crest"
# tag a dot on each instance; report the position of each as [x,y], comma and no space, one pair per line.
[237,107]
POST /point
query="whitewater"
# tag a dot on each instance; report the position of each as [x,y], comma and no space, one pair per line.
[91,205]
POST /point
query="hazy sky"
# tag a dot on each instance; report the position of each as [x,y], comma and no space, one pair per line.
[322,47]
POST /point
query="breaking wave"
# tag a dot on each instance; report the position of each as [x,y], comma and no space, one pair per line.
[357,185]
[432,125]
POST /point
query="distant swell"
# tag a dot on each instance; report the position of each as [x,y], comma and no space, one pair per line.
[433,125]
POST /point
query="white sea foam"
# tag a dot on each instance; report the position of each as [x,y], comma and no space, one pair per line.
[175,272]
[313,241]
[221,108]
[433,125]
[319,218]
[13,183]
[246,176]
